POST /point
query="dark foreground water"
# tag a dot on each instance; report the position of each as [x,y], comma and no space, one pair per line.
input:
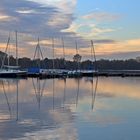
[70,109]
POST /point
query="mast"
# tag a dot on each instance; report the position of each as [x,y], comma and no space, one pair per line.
[16,49]
[8,57]
[38,53]
[63,51]
[92,57]
[39,49]
[76,47]
[8,41]
[78,63]
[53,52]
[92,47]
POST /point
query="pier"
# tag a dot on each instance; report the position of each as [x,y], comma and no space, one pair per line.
[74,74]
[85,73]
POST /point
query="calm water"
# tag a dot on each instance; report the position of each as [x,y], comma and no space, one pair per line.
[71,109]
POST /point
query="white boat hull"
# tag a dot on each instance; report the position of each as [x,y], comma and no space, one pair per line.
[12,73]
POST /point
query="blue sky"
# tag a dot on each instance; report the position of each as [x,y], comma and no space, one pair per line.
[112,25]
[127,10]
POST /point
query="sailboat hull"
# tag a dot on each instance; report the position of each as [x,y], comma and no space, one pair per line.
[12,74]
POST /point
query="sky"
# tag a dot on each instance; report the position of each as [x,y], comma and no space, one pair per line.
[112,25]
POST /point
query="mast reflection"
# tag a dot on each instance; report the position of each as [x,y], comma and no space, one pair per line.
[94,91]
[38,89]
[64,95]
[6,84]
[77,93]
[7,100]
[17,90]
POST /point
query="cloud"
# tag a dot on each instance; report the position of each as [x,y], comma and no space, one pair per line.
[66,6]
[119,49]
[32,19]
[25,11]
[121,46]
[37,17]
[88,30]
[72,28]
[104,48]
[118,55]
[47,19]
[5,18]
[63,17]
[101,16]
[134,42]
[111,49]
[47,42]
[60,20]
[12,49]
[104,41]
[87,27]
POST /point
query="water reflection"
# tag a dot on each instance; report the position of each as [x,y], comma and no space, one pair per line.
[69,108]
[94,92]
[64,96]
[38,89]
[17,98]
[53,91]
[8,85]
[7,100]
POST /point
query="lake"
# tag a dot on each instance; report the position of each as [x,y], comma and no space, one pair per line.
[104,108]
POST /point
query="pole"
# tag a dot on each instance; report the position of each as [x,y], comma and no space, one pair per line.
[16,49]
[53,53]
[92,45]
[5,51]
[63,51]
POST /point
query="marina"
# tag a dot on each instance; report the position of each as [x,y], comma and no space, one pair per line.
[9,71]
[69,70]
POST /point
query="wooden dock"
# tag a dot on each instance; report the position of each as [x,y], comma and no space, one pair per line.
[105,73]
[121,73]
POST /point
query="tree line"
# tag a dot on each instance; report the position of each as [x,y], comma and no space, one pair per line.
[76,63]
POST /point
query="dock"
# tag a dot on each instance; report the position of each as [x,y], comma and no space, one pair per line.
[119,73]
[74,74]
[86,73]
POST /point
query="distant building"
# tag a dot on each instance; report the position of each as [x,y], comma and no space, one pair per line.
[138,59]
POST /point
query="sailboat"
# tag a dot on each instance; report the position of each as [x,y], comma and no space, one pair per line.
[8,71]
[36,70]
[93,68]
[77,71]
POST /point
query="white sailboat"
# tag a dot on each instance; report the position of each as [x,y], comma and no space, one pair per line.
[11,71]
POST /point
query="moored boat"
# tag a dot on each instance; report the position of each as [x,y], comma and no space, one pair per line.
[8,71]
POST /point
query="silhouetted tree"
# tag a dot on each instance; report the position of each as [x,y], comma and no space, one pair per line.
[77,58]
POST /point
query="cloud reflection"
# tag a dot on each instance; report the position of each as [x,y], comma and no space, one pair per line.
[58,111]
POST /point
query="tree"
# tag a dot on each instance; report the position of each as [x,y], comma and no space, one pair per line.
[77,58]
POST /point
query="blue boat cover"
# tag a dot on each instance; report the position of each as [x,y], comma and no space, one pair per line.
[33,70]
